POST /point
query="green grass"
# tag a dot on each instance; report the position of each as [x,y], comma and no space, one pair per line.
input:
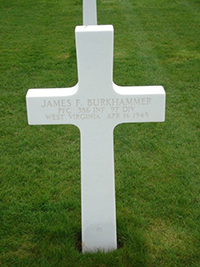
[157,164]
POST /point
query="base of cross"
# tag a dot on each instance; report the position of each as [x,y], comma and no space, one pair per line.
[96,105]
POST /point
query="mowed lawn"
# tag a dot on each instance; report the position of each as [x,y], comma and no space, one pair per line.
[156,164]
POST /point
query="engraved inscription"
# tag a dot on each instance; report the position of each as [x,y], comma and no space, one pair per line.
[56,103]
[118,102]
[96,109]
[54,117]
[84,116]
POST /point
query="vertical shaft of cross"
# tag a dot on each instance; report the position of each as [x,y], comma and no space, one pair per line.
[95,76]
[98,189]
[89,12]
[97,158]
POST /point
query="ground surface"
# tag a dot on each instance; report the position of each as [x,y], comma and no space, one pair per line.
[157,164]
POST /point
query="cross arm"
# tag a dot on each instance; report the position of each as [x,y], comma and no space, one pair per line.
[50,106]
[141,103]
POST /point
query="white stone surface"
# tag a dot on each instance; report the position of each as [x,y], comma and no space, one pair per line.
[96,105]
[89,12]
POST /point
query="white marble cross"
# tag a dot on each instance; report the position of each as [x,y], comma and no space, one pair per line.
[89,12]
[96,105]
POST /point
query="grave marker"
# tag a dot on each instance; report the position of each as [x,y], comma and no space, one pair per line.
[89,12]
[96,105]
